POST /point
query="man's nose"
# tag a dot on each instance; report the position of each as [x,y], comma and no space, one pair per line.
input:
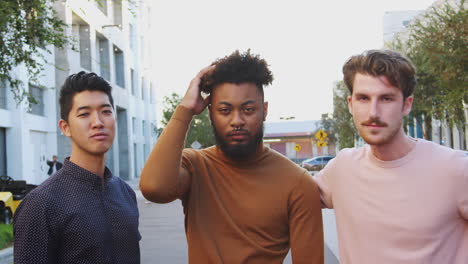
[374,111]
[237,119]
[97,120]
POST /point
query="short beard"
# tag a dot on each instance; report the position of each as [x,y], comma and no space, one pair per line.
[239,152]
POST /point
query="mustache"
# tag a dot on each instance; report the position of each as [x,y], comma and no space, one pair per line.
[374,121]
[239,131]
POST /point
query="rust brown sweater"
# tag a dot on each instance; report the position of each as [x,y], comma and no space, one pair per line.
[249,212]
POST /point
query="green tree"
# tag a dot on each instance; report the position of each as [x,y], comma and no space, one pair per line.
[200,128]
[27,27]
[436,43]
[341,122]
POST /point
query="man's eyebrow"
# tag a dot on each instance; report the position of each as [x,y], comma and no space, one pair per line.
[225,103]
[248,102]
[87,107]
[83,108]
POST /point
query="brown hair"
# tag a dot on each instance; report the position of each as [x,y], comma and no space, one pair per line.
[398,69]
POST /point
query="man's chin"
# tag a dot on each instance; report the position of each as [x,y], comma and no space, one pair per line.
[237,151]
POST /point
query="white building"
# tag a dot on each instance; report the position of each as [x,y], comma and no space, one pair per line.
[111,42]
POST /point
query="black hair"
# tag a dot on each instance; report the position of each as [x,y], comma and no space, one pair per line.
[238,68]
[80,82]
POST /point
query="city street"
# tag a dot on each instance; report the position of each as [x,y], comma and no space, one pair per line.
[162,229]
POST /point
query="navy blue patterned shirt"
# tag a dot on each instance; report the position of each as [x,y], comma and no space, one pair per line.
[76,217]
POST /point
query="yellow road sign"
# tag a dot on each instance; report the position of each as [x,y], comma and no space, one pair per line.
[321,143]
[321,135]
[297,147]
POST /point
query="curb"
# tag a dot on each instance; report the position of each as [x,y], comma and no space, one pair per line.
[6,255]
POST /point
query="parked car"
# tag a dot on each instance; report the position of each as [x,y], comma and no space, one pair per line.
[11,194]
[316,163]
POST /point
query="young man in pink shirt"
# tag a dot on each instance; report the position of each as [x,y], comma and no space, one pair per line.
[397,199]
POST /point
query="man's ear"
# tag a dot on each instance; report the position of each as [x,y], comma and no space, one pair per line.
[210,108]
[350,104]
[407,105]
[265,110]
[64,127]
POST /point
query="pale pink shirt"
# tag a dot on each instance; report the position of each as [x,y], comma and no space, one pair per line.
[410,210]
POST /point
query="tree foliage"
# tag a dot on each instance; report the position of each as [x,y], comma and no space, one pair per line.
[200,128]
[436,43]
[341,123]
[27,27]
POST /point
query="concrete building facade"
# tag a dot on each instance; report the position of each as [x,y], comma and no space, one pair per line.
[111,40]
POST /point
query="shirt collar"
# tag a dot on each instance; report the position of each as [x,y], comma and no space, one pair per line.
[86,177]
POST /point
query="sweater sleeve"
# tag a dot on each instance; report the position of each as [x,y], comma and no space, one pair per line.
[163,179]
[305,222]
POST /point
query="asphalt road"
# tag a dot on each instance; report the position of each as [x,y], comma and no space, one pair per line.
[163,235]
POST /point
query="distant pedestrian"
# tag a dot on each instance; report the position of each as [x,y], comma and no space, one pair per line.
[54,165]
[397,199]
[82,213]
[243,202]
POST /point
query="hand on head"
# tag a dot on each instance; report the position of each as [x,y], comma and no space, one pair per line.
[193,98]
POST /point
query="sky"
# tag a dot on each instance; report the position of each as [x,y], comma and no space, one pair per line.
[305,43]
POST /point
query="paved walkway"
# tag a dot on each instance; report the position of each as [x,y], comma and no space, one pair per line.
[162,228]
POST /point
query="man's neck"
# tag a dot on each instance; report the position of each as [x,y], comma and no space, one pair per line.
[397,148]
[93,163]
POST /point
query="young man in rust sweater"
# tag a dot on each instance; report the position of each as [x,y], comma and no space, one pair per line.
[243,202]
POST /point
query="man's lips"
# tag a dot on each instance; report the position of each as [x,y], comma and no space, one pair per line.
[374,125]
[99,136]
[238,135]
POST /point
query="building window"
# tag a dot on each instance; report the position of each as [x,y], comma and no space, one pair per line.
[135,163]
[143,125]
[102,5]
[85,44]
[38,94]
[132,81]
[104,64]
[119,67]
[3,95]
[117,12]
[142,88]
[3,152]
[134,124]
[132,37]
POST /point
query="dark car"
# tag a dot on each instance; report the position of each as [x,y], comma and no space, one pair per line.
[316,163]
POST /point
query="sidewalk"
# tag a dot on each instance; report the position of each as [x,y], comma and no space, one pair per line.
[6,256]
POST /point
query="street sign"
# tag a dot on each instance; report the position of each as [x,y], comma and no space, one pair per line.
[321,135]
[196,145]
[321,143]
[297,147]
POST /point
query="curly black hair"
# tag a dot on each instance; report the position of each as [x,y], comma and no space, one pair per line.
[237,68]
